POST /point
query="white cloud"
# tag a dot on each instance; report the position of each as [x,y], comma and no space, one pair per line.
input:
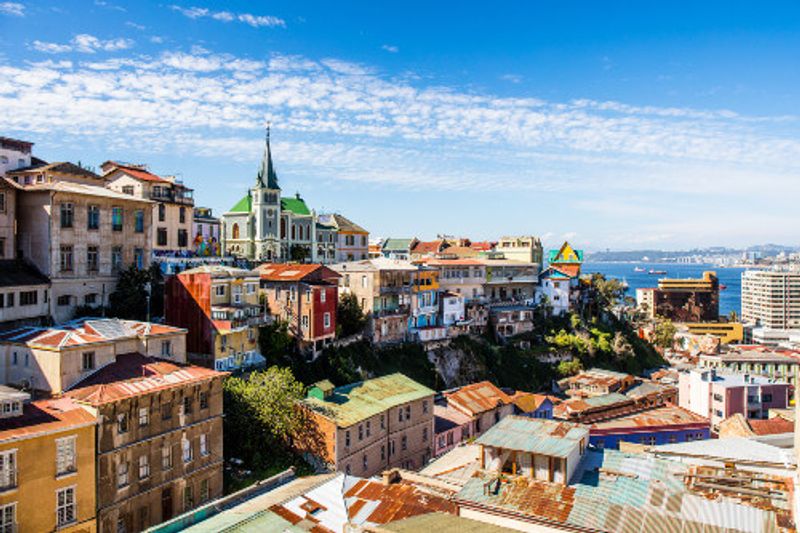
[390,48]
[12,8]
[256,21]
[84,43]
[135,26]
[340,121]
[513,78]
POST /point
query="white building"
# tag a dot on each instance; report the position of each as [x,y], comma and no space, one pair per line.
[453,308]
[14,154]
[771,298]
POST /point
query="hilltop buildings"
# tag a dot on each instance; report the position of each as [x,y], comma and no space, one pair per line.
[269,227]
[682,300]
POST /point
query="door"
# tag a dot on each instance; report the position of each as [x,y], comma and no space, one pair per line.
[166,504]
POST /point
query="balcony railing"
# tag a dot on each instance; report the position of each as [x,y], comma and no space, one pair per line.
[170,196]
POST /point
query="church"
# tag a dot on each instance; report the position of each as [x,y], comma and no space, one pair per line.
[265,226]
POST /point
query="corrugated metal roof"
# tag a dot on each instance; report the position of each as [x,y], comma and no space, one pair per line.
[546,437]
[353,403]
[478,397]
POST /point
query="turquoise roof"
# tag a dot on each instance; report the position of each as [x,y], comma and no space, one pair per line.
[547,437]
[397,244]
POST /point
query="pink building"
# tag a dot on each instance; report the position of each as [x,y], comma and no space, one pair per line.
[718,396]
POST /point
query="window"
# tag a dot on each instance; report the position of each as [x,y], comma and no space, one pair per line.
[204,451]
[203,400]
[408,412]
[144,416]
[360,432]
[144,466]
[28,297]
[187,405]
[383,422]
[717,397]
[305,321]
[425,434]
[162,213]
[138,258]
[368,428]
[347,470]
[93,217]
[8,469]
[2,247]
[92,259]
[65,507]
[766,398]
[161,236]
[90,299]
[424,406]
[183,238]
[127,189]
[219,290]
[182,215]
[166,348]
[188,453]
[87,359]
[138,217]
[322,295]
[364,462]
[66,258]
[122,423]
[166,411]
[8,518]
[403,443]
[347,439]
[122,474]
[116,218]
[116,258]
[205,492]
[67,215]
[2,201]
[64,299]
[391,447]
[326,320]
[166,458]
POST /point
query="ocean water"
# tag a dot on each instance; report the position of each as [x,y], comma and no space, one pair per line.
[730,299]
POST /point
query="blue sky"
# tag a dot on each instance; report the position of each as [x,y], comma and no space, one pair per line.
[614,124]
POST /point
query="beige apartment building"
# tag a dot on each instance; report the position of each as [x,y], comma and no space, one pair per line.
[24,295]
[78,233]
[526,249]
[173,208]
[368,427]
[771,298]
[55,359]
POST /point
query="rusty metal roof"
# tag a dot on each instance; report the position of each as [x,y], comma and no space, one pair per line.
[478,398]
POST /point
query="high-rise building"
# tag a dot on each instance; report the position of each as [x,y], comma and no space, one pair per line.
[771,298]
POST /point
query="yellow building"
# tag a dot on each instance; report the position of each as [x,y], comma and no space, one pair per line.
[47,465]
[728,332]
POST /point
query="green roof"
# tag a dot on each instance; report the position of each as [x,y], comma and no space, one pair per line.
[295,205]
[243,206]
[397,244]
[353,403]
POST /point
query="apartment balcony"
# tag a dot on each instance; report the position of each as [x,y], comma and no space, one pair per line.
[394,289]
[402,310]
[8,480]
[185,198]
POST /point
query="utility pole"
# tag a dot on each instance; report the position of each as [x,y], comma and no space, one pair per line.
[148,289]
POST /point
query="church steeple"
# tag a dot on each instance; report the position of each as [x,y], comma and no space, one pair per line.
[267,169]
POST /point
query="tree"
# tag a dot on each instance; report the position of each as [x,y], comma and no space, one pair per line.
[664,333]
[298,253]
[568,368]
[129,299]
[611,291]
[261,415]
[733,317]
[275,342]
[350,317]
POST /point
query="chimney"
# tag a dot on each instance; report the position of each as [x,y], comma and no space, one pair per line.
[391,477]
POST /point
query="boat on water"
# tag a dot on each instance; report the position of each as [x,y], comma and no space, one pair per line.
[657,271]
[638,269]
[722,286]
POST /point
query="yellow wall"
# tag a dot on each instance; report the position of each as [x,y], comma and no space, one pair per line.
[727,331]
[35,494]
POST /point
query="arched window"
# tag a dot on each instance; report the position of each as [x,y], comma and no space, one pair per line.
[235,231]
[283,228]
[294,227]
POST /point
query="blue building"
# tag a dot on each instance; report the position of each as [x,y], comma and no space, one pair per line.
[668,424]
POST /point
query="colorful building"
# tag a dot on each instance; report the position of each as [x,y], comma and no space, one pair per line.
[351,240]
[527,249]
[305,298]
[424,323]
[559,283]
[483,403]
[220,306]
[47,465]
[206,233]
[719,396]
[368,427]
[667,424]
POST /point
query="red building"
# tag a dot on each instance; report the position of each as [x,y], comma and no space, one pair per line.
[305,297]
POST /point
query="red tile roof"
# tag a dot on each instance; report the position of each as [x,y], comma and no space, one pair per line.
[294,272]
[134,374]
[478,397]
[772,426]
[428,247]
[484,246]
[85,331]
[138,173]
[44,416]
